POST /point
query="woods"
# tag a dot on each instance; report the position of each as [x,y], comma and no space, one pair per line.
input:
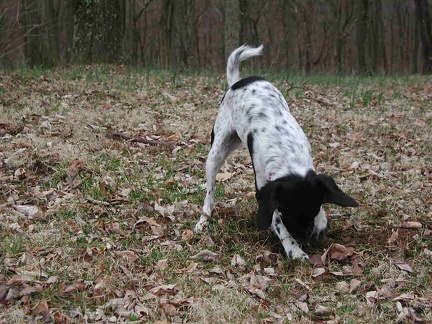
[311,36]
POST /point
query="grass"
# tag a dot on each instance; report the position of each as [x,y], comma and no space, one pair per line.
[106,227]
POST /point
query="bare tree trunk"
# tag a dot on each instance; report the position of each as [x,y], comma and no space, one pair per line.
[166,24]
[378,39]
[422,8]
[12,40]
[362,35]
[66,30]
[290,34]
[231,26]
[183,37]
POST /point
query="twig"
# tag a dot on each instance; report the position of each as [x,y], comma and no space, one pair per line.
[170,145]
[98,202]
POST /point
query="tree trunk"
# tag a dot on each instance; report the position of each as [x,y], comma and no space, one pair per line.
[361,38]
[231,26]
[422,9]
[290,35]
[66,30]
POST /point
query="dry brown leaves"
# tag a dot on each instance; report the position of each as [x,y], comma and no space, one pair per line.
[101,178]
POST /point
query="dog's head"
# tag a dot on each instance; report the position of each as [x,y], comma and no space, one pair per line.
[299,200]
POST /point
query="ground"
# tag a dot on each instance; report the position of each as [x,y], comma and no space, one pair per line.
[101,183]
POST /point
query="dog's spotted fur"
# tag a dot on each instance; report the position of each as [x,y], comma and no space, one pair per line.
[289,192]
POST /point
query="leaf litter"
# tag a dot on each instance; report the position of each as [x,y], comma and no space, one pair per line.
[101,181]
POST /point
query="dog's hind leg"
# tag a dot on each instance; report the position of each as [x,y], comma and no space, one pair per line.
[223,143]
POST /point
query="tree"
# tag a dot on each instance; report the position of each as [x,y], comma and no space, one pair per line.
[231,26]
[422,9]
[361,36]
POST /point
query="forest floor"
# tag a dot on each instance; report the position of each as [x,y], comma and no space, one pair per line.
[101,182]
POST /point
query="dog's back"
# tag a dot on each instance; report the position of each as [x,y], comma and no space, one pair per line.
[262,120]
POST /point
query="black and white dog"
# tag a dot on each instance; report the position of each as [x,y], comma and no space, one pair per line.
[289,192]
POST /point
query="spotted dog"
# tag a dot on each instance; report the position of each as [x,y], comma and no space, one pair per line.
[290,194]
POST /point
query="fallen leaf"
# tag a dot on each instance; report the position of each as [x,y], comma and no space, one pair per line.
[169,309]
[255,291]
[357,267]
[270,271]
[322,310]
[393,238]
[260,282]
[224,176]
[337,273]
[3,291]
[161,210]
[42,309]
[238,261]
[337,252]
[77,286]
[318,272]
[406,297]
[354,166]
[19,280]
[216,270]
[31,212]
[72,171]
[173,138]
[404,266]
[29,290]
[162,264]
[372,296]
[148,220]
[164,289]
[205,255]
[129,256]
[316,260]
[187,235]
[302,306]
[354,284]
[207,241]
[101,287]
[411,224]
[342,286]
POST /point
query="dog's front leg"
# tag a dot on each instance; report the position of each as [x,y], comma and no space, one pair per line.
[291,247]
[212,169]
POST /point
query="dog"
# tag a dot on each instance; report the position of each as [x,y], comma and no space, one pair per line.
[290,194]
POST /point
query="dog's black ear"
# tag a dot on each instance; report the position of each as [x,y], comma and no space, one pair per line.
[333,194]
[267,204]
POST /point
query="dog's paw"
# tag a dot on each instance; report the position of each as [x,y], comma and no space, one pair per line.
[297,254]
[201,224]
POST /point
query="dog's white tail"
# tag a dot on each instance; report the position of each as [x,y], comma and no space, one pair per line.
[240,54]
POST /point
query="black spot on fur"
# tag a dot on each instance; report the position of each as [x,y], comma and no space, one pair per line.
[278,220]
[278,229]
[244,82]
[263,130]
[250,141]
[222,99]
[212,137]
[262,115]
